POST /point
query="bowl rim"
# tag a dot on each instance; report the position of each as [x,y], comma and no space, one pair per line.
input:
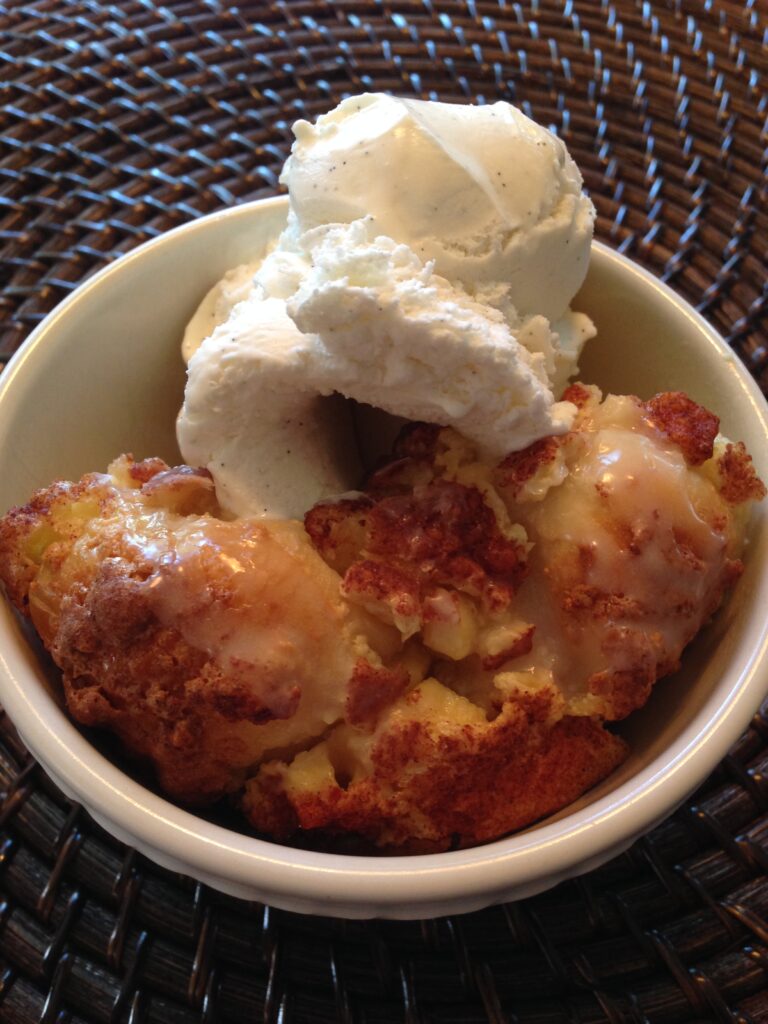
[550,850]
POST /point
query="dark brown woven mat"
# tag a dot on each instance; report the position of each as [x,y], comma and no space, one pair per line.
[122,120]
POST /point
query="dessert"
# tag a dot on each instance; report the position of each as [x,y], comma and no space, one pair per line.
[427,266]
[434,654]
[431,662]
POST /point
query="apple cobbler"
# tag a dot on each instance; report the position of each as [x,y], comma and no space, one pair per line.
[431,662]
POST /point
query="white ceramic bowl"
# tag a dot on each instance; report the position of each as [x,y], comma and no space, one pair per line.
[103,374]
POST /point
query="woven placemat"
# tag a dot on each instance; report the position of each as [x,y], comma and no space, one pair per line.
[122,120]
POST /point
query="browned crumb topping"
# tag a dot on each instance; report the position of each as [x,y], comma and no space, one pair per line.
[373,689]
[690,426]
[518,467]
[578,394]
[434,785]
[739,481]
[403,545]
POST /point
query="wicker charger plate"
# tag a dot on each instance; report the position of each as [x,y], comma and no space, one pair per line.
[121,121]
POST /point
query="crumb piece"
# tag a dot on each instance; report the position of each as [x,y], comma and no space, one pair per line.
[690,426]
[739,481]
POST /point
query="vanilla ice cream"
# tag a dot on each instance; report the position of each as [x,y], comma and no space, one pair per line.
[487,194]
[252,416]
[427,265]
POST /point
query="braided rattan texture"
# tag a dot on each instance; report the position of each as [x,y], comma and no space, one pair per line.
[122,120]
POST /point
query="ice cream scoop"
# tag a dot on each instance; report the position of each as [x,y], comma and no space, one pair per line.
[426,268]
[399,337]
[490,196]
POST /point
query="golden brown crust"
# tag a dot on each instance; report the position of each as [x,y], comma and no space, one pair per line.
[434,787]
[337,529]
[18,553]
[148,612]
[519,467]
[739,481]
[637,636]
[374,583]
[397,550]
[451,534]
[577,393]
[372,690]
[142,472]
[690,426]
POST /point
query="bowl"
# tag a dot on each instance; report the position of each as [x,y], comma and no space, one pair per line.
[102,374]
